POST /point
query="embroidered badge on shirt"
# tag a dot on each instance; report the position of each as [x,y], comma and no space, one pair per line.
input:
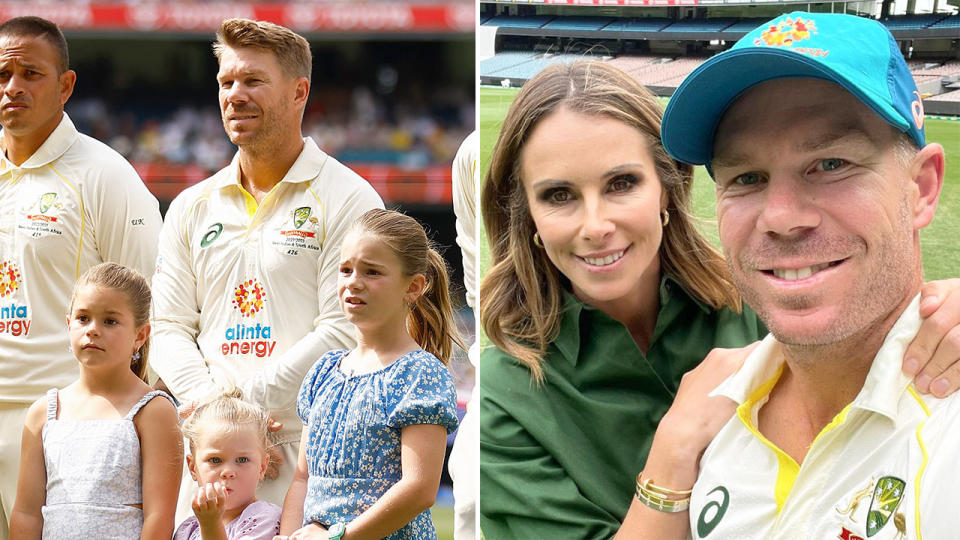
[885,496]
[303,234]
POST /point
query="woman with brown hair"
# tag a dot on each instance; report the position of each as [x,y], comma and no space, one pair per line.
[600,296]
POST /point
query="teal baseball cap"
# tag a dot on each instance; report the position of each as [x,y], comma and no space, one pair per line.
[856,53]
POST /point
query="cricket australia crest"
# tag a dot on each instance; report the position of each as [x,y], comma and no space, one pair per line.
[886,498]
[300,216]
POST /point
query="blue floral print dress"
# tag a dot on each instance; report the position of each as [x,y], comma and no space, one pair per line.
[353,442]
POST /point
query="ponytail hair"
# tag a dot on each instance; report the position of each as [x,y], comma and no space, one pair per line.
[430,321]
[134,286]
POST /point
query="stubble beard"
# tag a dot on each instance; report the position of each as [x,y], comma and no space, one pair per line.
[264,142]
[883,287]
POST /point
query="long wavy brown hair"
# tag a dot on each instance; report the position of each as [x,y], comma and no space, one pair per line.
[521,296]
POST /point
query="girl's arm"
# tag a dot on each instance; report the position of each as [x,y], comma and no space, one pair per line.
[26,519]
[292,517]
[161,455]
[421,459]
[683,434]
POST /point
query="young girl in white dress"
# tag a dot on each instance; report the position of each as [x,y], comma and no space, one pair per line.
[100,458]
[376,418]
[229,456]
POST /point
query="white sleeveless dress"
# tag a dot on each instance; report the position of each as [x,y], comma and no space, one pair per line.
[93,475]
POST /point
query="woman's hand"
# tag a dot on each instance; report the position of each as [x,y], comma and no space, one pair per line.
[694,419]
[934,355]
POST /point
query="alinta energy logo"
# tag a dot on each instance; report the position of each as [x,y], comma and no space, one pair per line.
[249,298]
[14,319]
[10,278]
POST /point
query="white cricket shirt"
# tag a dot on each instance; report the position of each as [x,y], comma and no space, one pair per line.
[884,468]
[464,173]
[71,205]
[245,294]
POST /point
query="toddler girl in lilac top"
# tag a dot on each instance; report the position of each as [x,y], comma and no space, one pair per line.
[228,457]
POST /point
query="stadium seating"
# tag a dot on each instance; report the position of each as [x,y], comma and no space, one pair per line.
[664,74]
[648,24]
[636,64]
[700,25]
[504,60]
[948,22]
[912,22]
[578,23]
[507,21]
[946,69]
[526,70]
[952,96]
[744,25]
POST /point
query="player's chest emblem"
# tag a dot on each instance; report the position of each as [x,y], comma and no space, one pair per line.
[41,216]
[884,495]
[299,232]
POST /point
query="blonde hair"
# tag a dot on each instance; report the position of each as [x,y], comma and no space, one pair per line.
[430,321]
[231,410]
[135,287]
[291,49]
[521,300]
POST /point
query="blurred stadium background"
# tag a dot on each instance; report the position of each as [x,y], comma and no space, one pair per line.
[660,42]
[392,97]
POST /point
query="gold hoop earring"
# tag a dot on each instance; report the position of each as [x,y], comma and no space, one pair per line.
[536,240]
[664,217]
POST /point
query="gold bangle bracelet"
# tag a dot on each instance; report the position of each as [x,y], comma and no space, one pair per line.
[650,486]
[660,504]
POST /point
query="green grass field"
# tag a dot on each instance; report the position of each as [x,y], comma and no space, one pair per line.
[941,257]
[443,521]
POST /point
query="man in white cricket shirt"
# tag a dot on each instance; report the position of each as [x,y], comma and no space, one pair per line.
[245,289]
[464,462]
[812,128]
[67,202]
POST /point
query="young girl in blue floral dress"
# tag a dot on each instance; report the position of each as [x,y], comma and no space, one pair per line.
[376,418]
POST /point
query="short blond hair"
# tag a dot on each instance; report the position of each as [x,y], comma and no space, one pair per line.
[231,410]
[290,48]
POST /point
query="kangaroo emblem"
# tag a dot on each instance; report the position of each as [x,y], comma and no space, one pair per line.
[855,501]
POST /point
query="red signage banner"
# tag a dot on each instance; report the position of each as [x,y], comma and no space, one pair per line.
[454,16]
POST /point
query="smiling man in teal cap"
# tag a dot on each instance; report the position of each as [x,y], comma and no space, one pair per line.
[812,128]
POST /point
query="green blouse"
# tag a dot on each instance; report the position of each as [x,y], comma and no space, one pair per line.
[559,460]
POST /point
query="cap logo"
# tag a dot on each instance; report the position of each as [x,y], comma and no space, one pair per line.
[916,108]
[786,32]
